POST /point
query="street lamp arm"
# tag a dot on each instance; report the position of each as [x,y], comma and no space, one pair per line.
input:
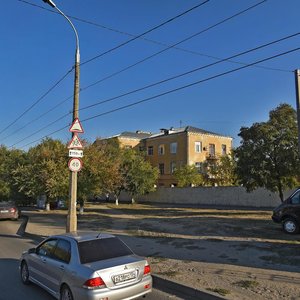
[52,4]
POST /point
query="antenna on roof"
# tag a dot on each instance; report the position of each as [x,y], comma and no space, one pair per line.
[180,124]
[98,235]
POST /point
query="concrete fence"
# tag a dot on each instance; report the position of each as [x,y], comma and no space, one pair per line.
[216,196]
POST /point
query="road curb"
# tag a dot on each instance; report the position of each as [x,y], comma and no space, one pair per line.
[22,228]
[182,291]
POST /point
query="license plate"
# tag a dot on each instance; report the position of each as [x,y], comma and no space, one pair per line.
[3,211]
[124,277]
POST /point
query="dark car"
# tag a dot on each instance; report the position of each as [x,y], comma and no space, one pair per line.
[9,210]
[288,213]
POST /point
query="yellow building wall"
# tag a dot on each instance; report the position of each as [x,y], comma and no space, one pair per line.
[205,140]
[186,153]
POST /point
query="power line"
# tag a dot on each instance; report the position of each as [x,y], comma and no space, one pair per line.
[142,38]
[173,91]
[159,52]
[194,70]
[146,32]
[37,101]
[106,52]
[169,79]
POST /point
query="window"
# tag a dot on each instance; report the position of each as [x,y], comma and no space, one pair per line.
[161,168]
[63,251]
[173,148]
[224,150]
[46,249]
[172,166]
[212,149]
[161,150]
[150,150]
[198,147]
[296,198]
[198,166]
[101,249]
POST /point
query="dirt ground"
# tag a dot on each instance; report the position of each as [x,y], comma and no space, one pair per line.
[239,254]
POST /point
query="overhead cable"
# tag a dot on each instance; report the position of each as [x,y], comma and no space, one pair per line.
[37,101]
[168,79]
[171,91]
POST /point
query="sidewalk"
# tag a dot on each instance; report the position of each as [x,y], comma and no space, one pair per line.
[40,224]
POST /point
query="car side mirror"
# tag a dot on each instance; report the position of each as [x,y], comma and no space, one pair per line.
[32,250]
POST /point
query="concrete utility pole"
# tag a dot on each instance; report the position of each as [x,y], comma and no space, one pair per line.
[72,216]
[297,83]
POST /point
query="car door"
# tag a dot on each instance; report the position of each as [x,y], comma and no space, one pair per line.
[57,264]
[38,268]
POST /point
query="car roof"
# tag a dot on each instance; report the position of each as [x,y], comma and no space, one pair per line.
[84,236]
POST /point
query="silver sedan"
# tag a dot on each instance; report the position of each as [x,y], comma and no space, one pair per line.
[90,266]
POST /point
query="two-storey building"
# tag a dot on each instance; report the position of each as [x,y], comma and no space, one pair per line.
[175,147]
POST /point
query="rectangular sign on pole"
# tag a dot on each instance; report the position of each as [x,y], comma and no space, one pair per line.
[75,153]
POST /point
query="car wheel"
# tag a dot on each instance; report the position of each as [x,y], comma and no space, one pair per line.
[290,225]
[24,273]
[65,293]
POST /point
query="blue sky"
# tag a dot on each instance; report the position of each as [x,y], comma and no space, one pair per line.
[37,49]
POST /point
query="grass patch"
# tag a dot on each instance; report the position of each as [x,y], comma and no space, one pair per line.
[247,284]
[220,291]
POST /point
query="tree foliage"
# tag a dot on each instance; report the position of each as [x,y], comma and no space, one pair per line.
[268,155]
[100,173]
[221,172]
[45,171]
[9,159]
[139,177]
[188,176]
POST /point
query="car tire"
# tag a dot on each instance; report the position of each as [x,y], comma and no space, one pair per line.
[290,225]
[65,293]
[24,272]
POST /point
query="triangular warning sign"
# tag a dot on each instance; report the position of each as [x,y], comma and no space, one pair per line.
[76,126]
[75,143]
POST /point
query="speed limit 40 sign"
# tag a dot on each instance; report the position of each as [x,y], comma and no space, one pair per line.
[75,164]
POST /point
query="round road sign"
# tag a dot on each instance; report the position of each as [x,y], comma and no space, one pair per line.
[75,164]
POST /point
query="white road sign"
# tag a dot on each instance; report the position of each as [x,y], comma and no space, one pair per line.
[75,164]
[76,126]
[75,153]
[75,143]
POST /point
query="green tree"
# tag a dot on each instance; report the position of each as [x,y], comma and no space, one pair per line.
[9,160]
[188,176]
[139,177]
[100,172]
[45,171]
[222,172]
[268,155]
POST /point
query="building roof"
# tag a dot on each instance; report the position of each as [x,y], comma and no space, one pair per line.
[134,135]
[173,130]
[140,135]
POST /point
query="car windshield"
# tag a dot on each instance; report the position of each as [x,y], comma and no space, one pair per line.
[101,249]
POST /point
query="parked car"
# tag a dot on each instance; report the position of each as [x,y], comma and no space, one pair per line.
[9,210]
[86,266]
[288,213]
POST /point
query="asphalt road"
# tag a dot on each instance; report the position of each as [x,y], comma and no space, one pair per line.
[11,287]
